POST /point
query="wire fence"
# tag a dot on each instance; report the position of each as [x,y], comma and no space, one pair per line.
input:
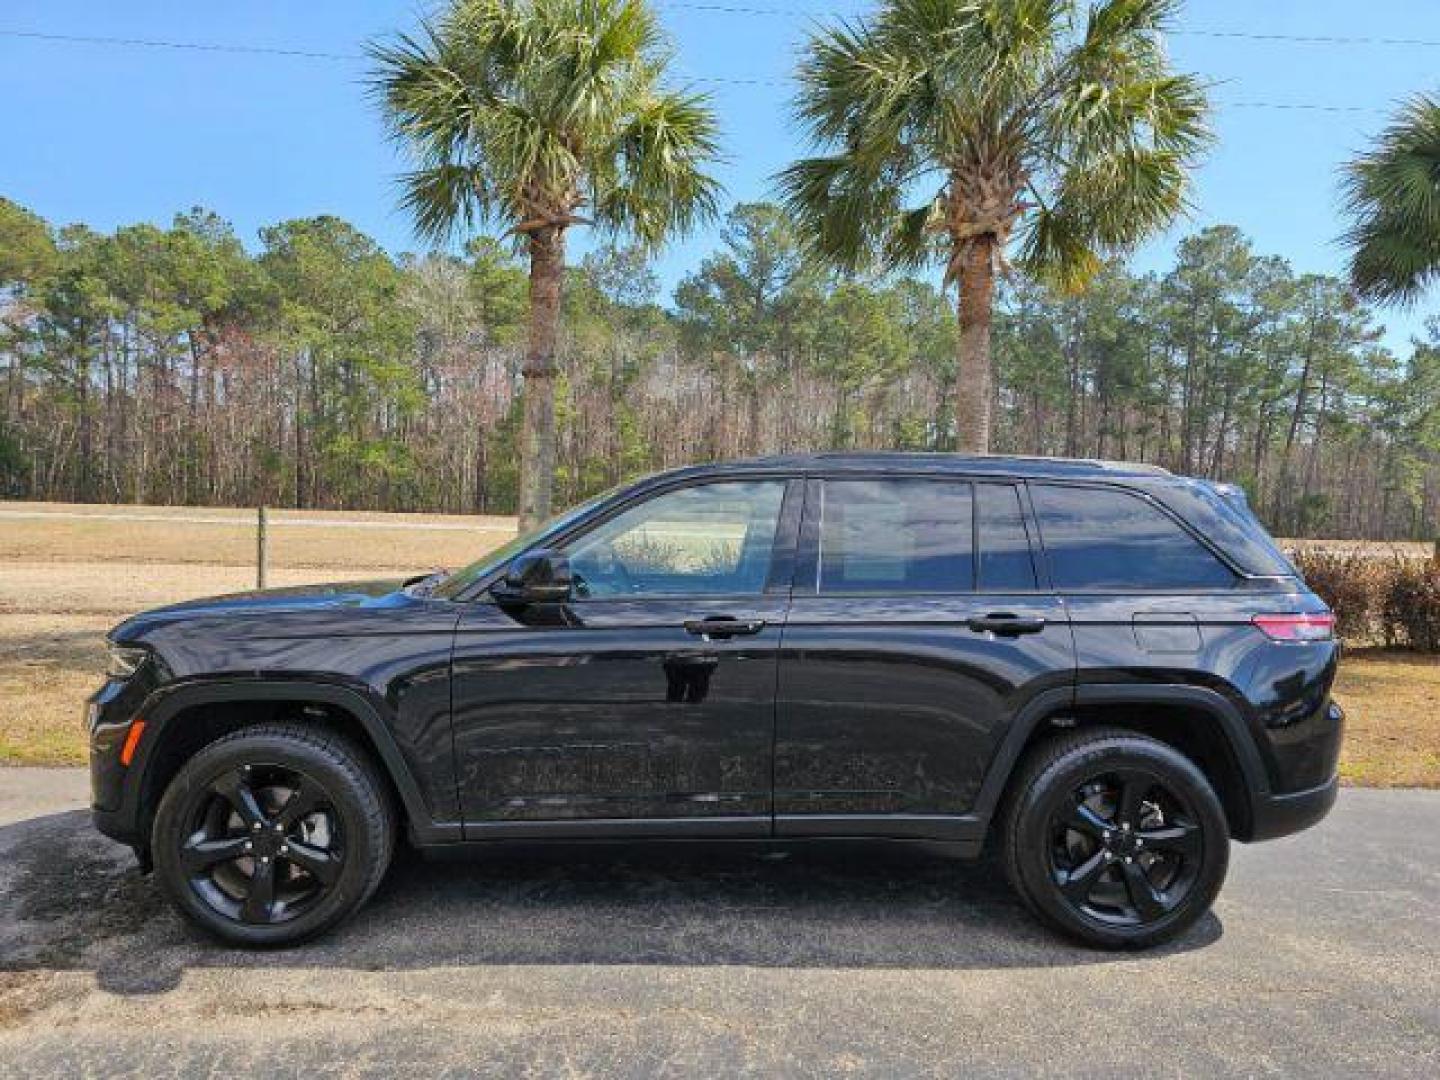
[264,539]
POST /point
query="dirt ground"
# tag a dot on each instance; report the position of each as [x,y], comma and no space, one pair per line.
[69,573]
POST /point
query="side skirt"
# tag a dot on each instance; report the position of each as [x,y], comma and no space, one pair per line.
[557,844]
[951,834]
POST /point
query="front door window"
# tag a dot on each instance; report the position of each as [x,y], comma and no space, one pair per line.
[712,540]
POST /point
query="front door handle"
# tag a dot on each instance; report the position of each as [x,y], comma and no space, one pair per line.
[1003,624]
[723,626]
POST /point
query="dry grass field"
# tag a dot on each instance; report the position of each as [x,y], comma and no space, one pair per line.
[68,573]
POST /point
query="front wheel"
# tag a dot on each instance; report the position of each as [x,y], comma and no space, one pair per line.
[273,834]
[1115,839]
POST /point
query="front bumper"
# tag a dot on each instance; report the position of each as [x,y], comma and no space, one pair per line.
[109,712]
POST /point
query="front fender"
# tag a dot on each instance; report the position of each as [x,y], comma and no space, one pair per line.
[165,707]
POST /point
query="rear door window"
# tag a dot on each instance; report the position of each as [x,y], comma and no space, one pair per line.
[1106,539]
[897,536]
[1004,556]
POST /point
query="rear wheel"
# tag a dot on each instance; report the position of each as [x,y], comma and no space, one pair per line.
[273,834]
[1115,839]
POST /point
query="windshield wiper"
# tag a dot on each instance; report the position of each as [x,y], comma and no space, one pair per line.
[424,584]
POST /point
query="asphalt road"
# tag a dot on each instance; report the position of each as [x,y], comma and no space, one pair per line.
[1322,958]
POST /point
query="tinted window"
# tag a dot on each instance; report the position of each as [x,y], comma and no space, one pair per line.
[896,536]
[1099,539]
[711,540]
[1004,546]
[1225,518]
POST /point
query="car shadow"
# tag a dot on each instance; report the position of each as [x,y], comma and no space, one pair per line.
[71,900]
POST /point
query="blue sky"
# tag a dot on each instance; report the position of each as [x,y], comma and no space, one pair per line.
[109,135]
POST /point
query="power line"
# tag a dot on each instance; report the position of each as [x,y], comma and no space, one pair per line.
[726,9]
[722,80]
[1310,39]
[198,46]
[1304,106]
[1302,39]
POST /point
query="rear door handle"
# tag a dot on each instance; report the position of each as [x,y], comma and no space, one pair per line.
[723,626]
[1003,624]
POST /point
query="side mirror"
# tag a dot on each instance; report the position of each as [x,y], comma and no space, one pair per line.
[537,577]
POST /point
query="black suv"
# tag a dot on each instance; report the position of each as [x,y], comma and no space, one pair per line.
[1104,672]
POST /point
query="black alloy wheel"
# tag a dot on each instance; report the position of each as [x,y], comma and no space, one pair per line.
[1125,848]
[1114,838]
[265,844]
[273,834]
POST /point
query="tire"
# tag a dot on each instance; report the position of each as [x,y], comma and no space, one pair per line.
[273,834]
[1114,839]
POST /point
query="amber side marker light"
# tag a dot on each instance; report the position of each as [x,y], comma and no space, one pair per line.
[132,740]
[1297,627]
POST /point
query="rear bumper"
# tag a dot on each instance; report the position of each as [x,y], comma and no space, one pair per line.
[1304,774]
[1281,815]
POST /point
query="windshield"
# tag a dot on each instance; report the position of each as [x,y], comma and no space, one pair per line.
[461,580]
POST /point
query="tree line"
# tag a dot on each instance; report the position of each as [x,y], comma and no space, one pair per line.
[174,365]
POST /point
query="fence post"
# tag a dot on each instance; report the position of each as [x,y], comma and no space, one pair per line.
[261,548]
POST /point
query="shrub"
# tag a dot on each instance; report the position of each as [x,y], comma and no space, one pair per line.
[1351,584]
[1393,601]
[1411,605]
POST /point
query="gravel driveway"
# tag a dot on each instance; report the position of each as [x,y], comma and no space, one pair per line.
[1322,958]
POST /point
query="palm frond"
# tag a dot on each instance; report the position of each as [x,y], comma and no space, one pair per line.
[655,183]
[1056,249]
[996,97]
[1117,19]
[424,101]
[819,193]
[444,199]
[1392,193]
[518,111]
[1125,196]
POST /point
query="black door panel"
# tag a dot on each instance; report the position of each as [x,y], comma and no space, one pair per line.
[895,706]
[619,712]
[635,701]
[897,687]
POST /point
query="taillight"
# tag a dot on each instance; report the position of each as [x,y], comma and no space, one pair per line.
[1297,627]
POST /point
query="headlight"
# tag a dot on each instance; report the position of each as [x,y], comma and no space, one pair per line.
[125,660]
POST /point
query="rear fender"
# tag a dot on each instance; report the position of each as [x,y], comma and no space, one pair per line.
[1055,703]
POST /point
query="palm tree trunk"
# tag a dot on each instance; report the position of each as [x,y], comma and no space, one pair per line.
[973,374]
[537,437]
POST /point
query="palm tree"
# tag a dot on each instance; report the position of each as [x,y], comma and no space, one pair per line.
[949,127]
[537,115]
[1393,196]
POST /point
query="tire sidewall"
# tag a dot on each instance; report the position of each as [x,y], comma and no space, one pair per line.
[1031,838]
[363,842]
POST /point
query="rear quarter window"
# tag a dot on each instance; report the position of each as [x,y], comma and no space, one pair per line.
[1108,539]
[1227,521]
